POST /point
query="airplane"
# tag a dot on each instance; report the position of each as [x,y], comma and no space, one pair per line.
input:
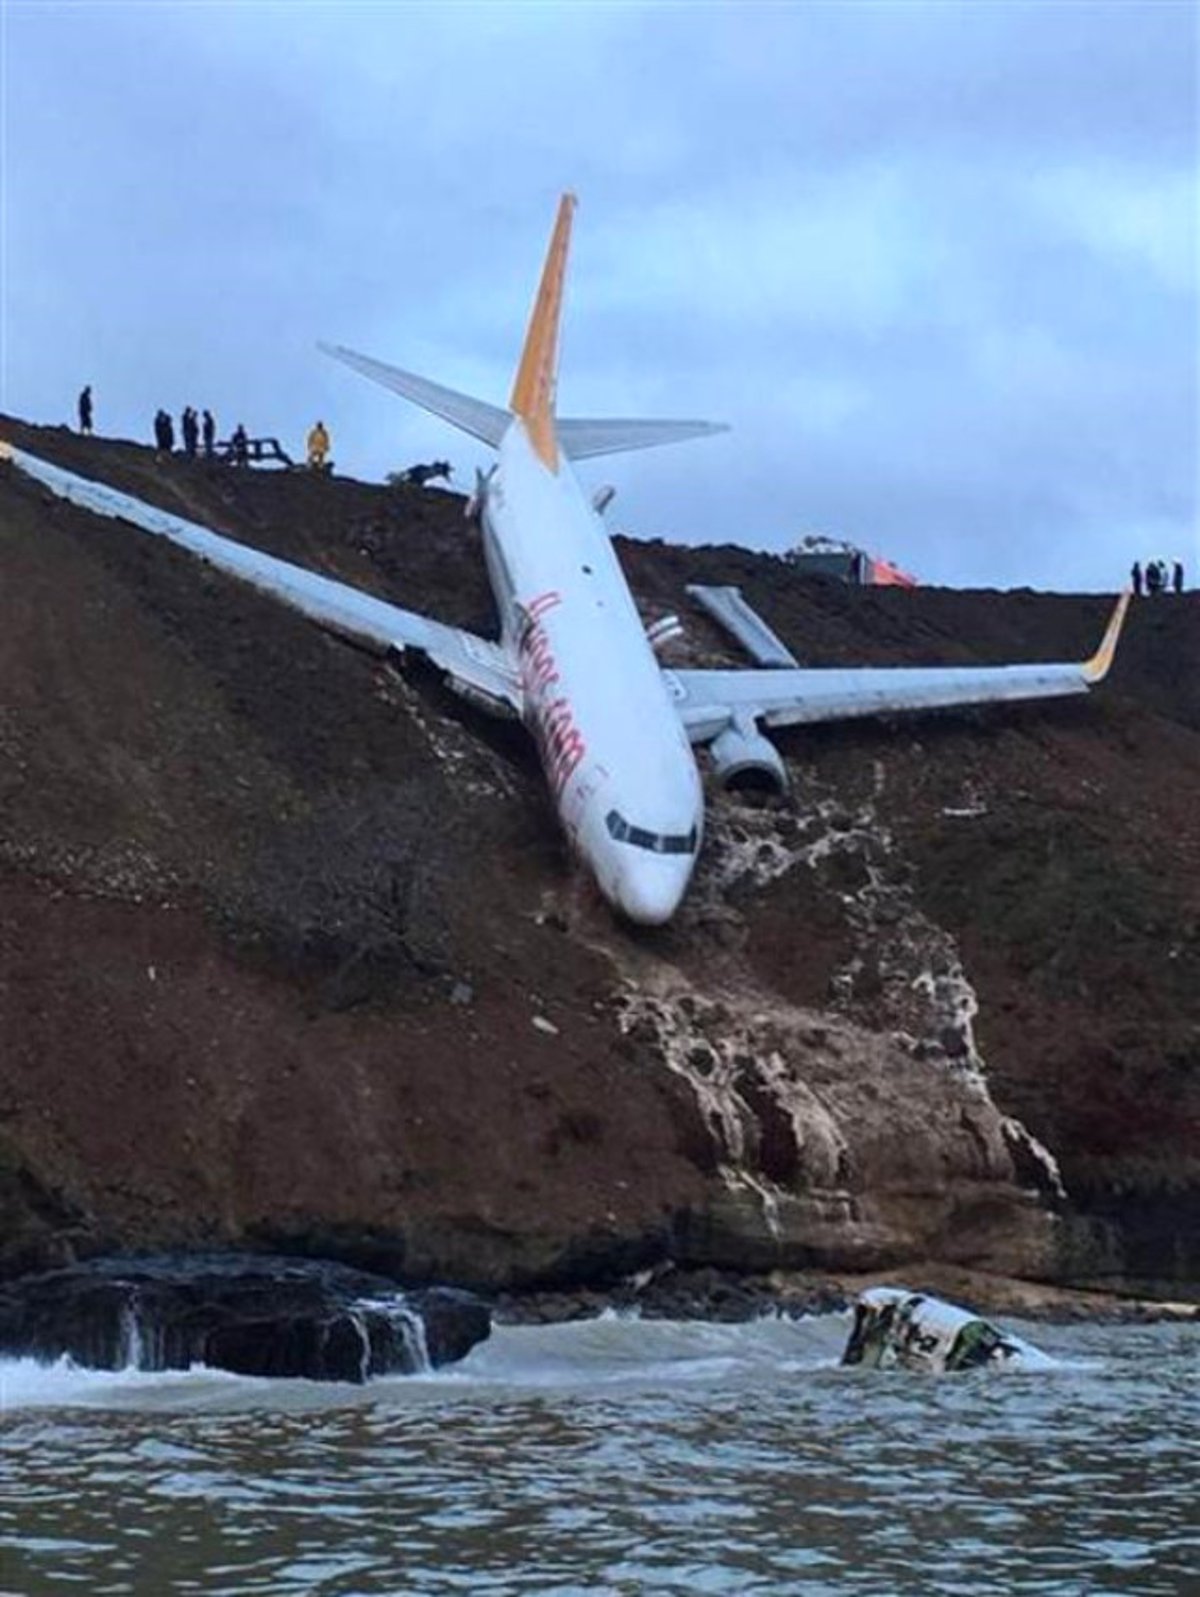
[615,729]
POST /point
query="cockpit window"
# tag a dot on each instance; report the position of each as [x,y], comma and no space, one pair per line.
[655,842]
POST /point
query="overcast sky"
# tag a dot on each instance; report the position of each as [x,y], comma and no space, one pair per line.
[935,263]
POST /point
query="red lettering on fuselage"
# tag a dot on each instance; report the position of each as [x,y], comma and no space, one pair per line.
[553,721]
[537,608]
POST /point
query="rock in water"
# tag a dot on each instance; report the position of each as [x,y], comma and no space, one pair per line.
[254,1315]
[896,1327]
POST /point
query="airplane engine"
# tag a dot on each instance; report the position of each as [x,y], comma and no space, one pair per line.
[743,759]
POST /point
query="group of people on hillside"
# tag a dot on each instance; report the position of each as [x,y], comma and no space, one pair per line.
[198,431]
[193,430]
[1156,578]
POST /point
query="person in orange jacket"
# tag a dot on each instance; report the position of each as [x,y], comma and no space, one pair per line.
[318,446]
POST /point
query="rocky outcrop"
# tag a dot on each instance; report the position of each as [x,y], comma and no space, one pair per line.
[813,1170]
[253,1316]
[292,955]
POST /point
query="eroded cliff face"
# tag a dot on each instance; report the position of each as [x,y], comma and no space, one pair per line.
[293,955]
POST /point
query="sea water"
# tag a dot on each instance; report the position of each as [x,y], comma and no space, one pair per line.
[616,1456]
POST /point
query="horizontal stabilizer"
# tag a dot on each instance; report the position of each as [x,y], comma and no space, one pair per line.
[581,439]
[483,421]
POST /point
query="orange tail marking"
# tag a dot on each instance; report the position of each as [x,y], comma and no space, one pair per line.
[537,376]
[1096,669]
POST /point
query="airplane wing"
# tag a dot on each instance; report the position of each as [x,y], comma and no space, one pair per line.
[709,701]
[479,670]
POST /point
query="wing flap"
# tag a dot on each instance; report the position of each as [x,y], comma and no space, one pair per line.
[729,607]
[476,667]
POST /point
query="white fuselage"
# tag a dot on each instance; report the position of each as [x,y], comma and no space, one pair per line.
[616,756]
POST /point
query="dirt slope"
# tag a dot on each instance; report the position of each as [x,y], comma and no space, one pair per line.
[292,953]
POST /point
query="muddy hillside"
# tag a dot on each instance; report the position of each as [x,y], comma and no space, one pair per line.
[292,955]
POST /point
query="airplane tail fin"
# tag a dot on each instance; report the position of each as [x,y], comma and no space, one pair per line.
[533,394]
[534,389]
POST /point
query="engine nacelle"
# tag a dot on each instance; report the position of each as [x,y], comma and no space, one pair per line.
[744,759]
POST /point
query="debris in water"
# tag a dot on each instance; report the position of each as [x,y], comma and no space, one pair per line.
[896,1328]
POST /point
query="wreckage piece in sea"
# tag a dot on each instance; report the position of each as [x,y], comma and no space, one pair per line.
[897,1328]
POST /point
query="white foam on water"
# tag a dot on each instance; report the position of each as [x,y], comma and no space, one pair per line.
[28,1383]
[615,1351]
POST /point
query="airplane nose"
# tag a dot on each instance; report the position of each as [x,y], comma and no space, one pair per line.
[650,890]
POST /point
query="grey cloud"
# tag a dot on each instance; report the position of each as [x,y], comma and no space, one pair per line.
[935,262]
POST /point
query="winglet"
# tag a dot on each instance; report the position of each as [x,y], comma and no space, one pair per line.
[1096,669]
[534,389]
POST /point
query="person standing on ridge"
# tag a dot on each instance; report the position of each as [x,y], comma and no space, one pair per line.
[240,446]
[85,410]
[209,432]
[1177,576]
[318,446]
[187,426]
[1135,576]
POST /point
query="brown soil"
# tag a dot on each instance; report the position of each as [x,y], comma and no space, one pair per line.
[280,925]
